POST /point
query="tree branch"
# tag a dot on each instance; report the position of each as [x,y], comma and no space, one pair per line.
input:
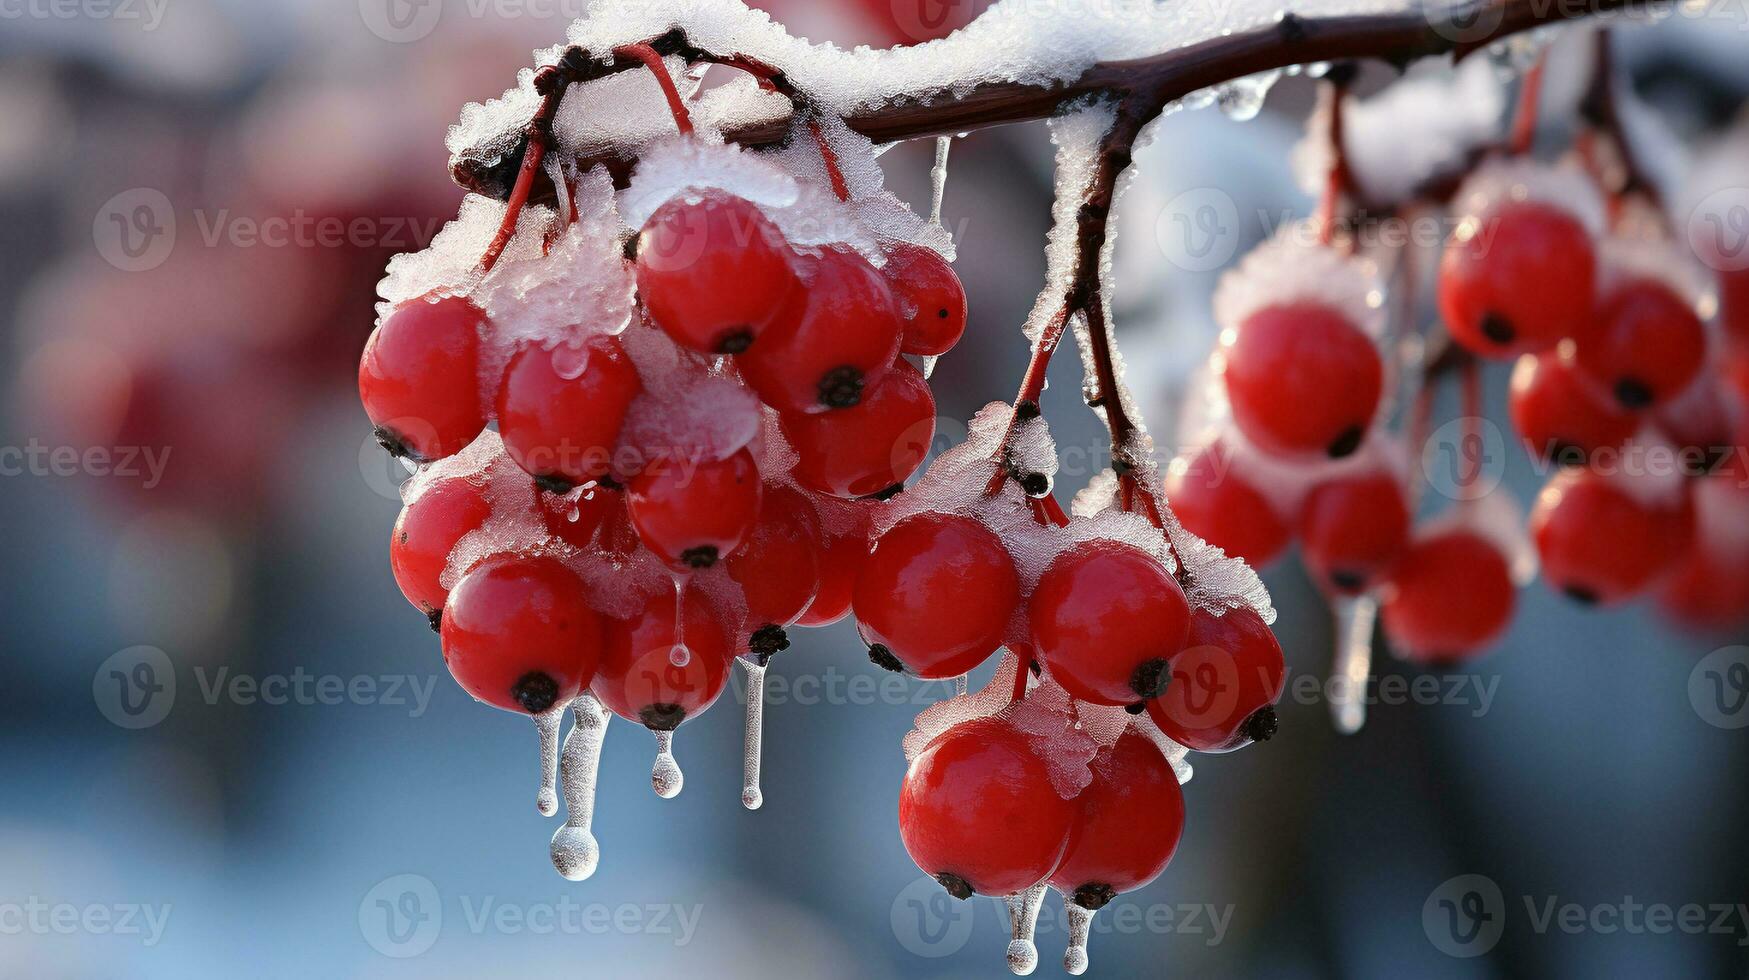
[1292,40]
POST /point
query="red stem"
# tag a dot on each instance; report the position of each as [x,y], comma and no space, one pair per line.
[1340,178]
[1021,670]
[829,156]
[1529,100]
[539,137]
[652,60]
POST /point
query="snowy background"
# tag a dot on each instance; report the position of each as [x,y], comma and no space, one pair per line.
[196,199]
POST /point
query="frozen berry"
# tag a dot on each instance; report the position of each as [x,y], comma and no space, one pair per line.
[1225,683]
[935,595]
[872,447]
[1107,619]
[1302,379]
[426,533]
[1646,346]
[1601,544]
[840,564]
[1518,280]
[779,566]
[1131,819]
[978,811]
[713,271]
[518,634]
[560,409]
[692,513]
[1561,415]
[833,344]
[1448,598]
[1218,505]
[1352,528]
[931,300]
[639,678]
[419,378]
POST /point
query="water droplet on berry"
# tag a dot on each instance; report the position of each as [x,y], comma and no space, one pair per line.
[570,360]
[665,776]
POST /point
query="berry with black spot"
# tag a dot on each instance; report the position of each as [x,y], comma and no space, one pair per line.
[1601,544]
[419,378]
[778,568]
[1518,279]
[1131,820]
[713,272]
[519,634]
[930,297]
[1352,528]
[1563,416]
[692,513]
[871,447]
[1646,346]
[1224,685]
[936,593]
[1302,379]
[836,340]
[560,409]
[1107,619]
[638,679]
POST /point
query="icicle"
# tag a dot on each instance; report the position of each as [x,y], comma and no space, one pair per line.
[1080,924]
[751,798]
[1353,666]
[1023,913]
[575,853]
[547,724]
[959,685]
[938,178]
[929,366]
[665,775]
[680,654]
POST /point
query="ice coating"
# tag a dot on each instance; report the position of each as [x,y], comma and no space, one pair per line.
[680,165]
[1077,135]
[1651,255]
[1293,268]
[1216,582]
[1080,924]
[448,266]
[665,775]
[1023,911]
[1034,42]
[754,734]
[694,419]
[1501,179]
[1177,755]
[547,724]
[575,853]
[1453,112]
[1355,618]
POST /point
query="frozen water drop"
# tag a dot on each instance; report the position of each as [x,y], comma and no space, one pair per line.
[547,724]
[938,181]
[665,776]
[1023,915]
[575,514]
[1242,99]
[679,655]
[1353,667]
[570,360]
[959,685]
[929,367]
[574,850]
[754,735]
[1080,924]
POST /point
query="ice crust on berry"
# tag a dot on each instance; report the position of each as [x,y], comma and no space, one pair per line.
[1293,267]
[682,165]
[1499,180]
[1497,518]
[1650,255]
[1451,113]
[703,418]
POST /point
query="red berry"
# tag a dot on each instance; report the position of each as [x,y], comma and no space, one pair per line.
[1707,590]
[1647,345]
[638,679]
[1352,528]
[713,272]
[1131,819]
[519,635]
[840,564]
[1599,543]
[870,448]
[420,378]
[1106,620]
[836,341]
[1518,280]
[1224,685]
[1734,303]
[932,302]
[1449,597]
[979,813]
[935,595]
[692,513]
[1218,505]
[425,534]
[1302,378]
[574,519]
[560,409]
[1561,415]
[779,566]
[1701,422]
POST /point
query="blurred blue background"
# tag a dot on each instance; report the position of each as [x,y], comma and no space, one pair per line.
[392,832]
